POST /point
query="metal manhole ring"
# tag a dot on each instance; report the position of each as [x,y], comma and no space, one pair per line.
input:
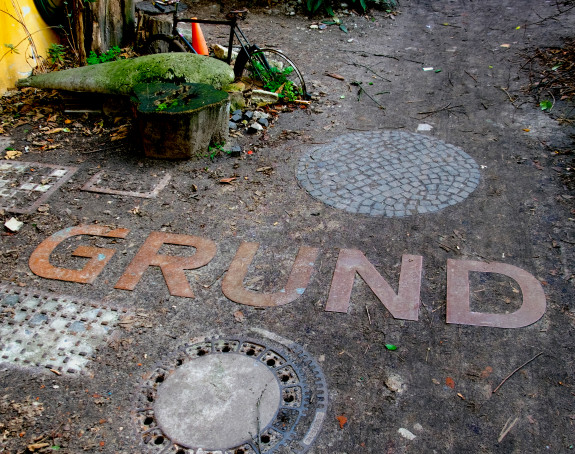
[232,395]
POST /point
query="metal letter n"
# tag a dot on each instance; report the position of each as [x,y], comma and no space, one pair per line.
[403,305]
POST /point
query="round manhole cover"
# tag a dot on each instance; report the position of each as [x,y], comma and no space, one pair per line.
[388,173]
[233,395]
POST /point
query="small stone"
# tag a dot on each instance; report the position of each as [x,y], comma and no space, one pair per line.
[255,127]
[259,114]
[248,115]
[13,224]
[314,26]
[262,97]
[233,126]
[235,151]
[322,26]
[220,51]
[235,118]
[264,122]
[350,40]
[237,112]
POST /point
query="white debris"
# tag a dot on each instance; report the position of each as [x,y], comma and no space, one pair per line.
[424,127]
[395,383]
[406,434]
[13,224]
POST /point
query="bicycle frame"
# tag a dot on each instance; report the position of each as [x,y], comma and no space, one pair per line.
[235,31]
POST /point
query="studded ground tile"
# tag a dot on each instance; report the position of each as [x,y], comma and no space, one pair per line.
[232,395]
[388,173]
[139,182]
[26,185]
[53,331]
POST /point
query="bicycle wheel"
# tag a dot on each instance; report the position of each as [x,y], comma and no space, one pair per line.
[274,71]
[159,44]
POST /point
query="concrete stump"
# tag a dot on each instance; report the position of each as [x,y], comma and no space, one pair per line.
[180,121]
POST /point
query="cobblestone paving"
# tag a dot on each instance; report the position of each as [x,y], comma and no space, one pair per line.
[388,173]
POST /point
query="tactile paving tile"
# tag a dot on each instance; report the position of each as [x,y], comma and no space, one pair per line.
[26,185]
[388,173]
[53,331]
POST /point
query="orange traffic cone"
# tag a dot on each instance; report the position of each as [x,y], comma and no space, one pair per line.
[198,41]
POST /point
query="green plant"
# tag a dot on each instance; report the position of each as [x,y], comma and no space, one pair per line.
[11,48]
[165,105]
[215,149]
[115,53]
[56,54]
[276,80]
[314,6]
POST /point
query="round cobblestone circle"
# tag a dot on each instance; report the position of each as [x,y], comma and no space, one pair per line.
[388,173]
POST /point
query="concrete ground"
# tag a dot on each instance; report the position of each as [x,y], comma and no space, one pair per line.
[456,332]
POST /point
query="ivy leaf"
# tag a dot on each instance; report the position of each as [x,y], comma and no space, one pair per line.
[329,11]
[343,28]
[546,105]
[328,22]
[391,347]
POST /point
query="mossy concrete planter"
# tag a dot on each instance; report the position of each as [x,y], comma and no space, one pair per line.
[180,121]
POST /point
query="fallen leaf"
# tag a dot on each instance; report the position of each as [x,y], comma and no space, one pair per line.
[227,180]
[264,169]
[435,381]
[526,129]
[505,45]
[391,347]
[12,154]
[342,421]
[486,372]
[449,382]
[335,76]
[460,396]
[35,446]
[55,130]
[239,316]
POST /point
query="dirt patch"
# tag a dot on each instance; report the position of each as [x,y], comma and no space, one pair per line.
[435,391]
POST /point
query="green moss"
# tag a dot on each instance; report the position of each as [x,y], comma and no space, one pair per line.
[172,99]
[120,77]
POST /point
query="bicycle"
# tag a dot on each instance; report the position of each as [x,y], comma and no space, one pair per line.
[271,67]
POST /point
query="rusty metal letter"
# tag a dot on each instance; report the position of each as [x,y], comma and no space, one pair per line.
[40,259]
[233,288]
[403,305]
[172,267]
[458,307]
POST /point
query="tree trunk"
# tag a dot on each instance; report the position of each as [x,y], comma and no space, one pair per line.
[78,21]
[109,23]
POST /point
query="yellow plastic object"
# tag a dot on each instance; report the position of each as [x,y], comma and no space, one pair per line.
[19,63]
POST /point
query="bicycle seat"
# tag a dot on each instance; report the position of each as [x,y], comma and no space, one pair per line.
[240,14]
[159,7]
